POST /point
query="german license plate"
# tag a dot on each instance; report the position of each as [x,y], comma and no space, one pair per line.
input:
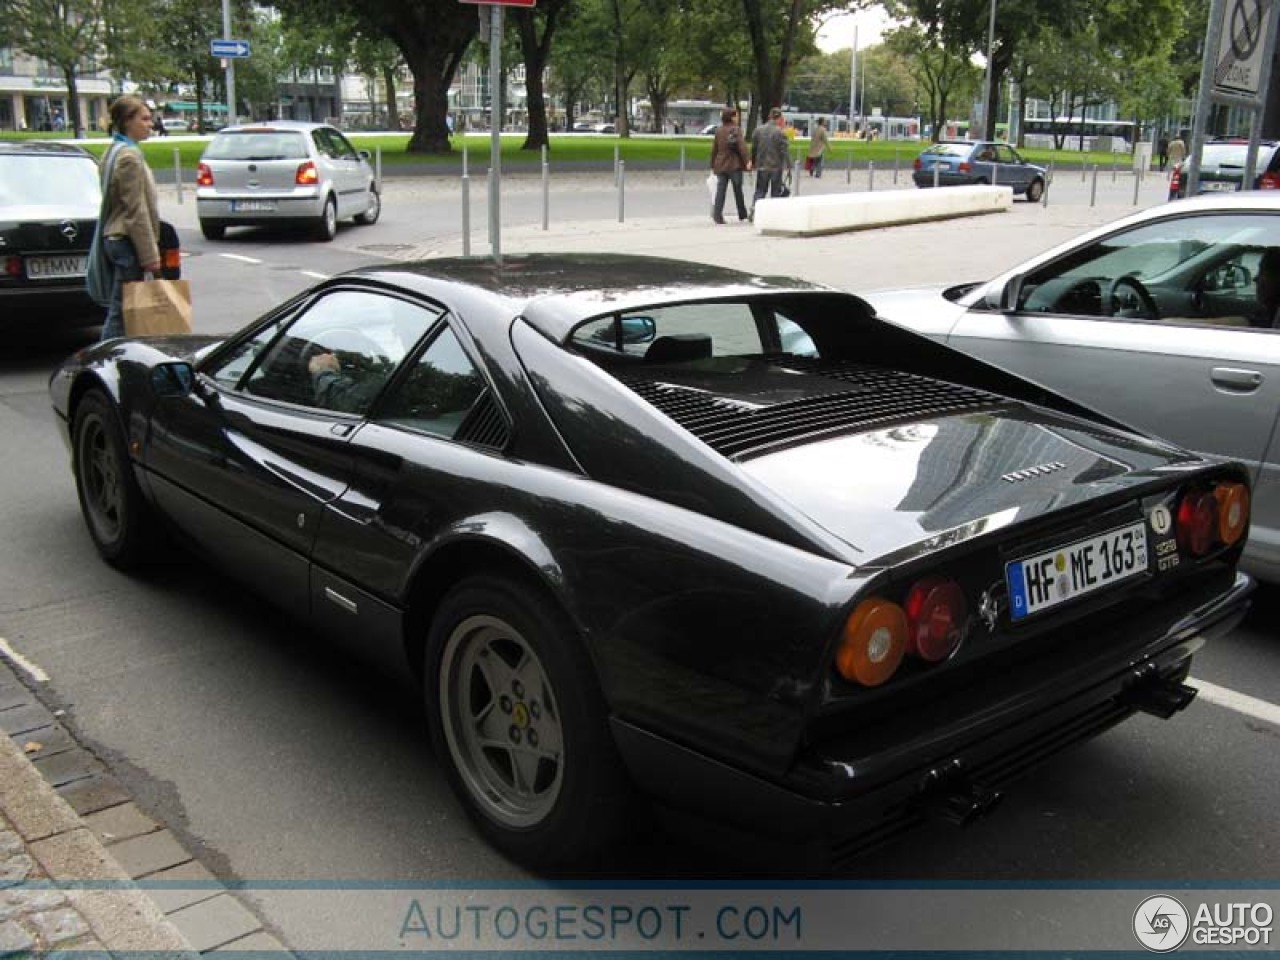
[253,206]
[1219,185]
[1076,570]
[52,268]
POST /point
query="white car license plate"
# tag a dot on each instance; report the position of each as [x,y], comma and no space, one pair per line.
[1219,185]
[1043,581]
[52,268]
[253,206]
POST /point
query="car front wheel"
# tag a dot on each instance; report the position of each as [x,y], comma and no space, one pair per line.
[115,512]
[1035,190]
[373,211]
[518,719]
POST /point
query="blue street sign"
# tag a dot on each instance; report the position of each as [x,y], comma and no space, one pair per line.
[228,48]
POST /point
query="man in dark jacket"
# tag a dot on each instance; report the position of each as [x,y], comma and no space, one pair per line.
[770,155]
[728,160]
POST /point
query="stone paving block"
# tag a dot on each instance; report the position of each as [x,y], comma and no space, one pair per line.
[26,899]
[13,695]
[215,923]
[29,806]
[69,766]
[24,717]
[260,942]
[15,870]
[84,950]
[149,853]
[58,926]
[45,741]
[14,938]
[181,886]
[120,822]
[94,794]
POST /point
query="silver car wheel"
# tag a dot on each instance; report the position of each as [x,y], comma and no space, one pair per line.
[501,721]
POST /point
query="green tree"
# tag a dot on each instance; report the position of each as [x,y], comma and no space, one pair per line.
[780,33]
[537,30]
[943,76]
[64,33]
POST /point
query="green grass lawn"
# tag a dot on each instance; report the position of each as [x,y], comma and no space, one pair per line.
[589,150]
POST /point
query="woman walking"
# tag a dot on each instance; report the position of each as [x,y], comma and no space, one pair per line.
[131,223]
[728,160]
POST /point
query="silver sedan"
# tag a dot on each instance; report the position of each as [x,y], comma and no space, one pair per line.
[1165,320]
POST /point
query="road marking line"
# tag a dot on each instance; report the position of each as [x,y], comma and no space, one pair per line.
[236,256]
[313,274]
[1239,702]
[18,660]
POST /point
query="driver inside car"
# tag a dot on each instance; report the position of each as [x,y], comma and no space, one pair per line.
[335,389]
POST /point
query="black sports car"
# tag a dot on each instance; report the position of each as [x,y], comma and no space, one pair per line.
[631,522]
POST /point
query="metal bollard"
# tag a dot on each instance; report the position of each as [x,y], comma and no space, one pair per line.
[377,167]
[795,178]
[466,215]
[1093,191]
[682,164]
[871,175]
[177,171]
[995,175]
[1114,167]
[897,159]
[546,191]
[935,174]
[848,170]
[1048,179]
[1137,182]
[622,190]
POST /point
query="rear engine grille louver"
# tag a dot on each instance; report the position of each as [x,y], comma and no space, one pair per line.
[876,397]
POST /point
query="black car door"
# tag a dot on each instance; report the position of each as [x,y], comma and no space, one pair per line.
[246,463]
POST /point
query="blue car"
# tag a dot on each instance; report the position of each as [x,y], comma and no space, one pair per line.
[954,162]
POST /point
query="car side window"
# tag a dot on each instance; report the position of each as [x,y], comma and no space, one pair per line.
[1186,270]
[438,393]
[231,366]
[342,146]
[340,351]
[669,334]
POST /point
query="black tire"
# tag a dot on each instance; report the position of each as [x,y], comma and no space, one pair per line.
[554,793]
[327,225]
[371,215]
[119,519]
[1035,190]
[213,230]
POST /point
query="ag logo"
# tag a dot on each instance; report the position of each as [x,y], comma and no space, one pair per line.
[1161,923]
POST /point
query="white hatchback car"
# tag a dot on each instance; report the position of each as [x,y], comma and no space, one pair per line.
[284,173]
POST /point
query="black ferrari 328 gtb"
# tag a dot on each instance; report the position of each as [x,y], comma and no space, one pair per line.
[644,528]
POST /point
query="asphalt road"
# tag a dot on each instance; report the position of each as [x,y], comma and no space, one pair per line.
[275,760]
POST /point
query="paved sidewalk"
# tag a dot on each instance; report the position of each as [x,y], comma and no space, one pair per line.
[83,871]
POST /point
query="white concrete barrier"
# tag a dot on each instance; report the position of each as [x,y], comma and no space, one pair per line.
[835,213]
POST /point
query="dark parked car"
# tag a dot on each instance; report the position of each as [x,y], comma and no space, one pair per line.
[49,199]
[1222,164]
[957,162]
[637,523]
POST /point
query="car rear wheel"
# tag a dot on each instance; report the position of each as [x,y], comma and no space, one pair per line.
[375,209]
[327,225]
[518,719]
[115,512]
[212,230]
[1035,190]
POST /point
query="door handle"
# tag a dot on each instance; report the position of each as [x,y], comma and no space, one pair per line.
[1236,380]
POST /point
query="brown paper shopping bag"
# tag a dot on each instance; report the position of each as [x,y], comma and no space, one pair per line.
[154,307]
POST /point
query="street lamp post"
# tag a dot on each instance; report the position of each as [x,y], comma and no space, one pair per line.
[988,125]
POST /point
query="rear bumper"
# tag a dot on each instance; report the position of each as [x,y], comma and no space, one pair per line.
[841,798]
[65,304]
[291,208]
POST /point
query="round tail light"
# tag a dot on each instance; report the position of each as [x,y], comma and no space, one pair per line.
[874,642]
[1233,511]
[936,612]
[1197,523]
[204,176]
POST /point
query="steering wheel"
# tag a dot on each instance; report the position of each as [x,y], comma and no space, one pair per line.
[1138,295]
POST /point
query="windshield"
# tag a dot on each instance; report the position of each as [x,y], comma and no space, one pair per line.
[950,149]
[39,180]
[258,145]
[1225,154]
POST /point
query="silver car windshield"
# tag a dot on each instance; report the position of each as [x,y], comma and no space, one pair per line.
[56,181]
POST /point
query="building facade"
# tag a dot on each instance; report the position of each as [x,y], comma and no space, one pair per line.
[34,95]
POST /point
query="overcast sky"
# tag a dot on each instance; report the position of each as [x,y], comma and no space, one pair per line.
[837,32]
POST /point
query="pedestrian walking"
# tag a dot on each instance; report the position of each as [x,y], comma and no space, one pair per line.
[817,148]
[728,161]
[1177,151]
[131,222]
[770,155]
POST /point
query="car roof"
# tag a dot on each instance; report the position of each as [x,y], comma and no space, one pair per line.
[556,291]
[42,148]
[269,126]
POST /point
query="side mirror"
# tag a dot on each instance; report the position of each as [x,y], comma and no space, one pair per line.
[1010,295]
[176,379]
[638,329]
[365,154]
